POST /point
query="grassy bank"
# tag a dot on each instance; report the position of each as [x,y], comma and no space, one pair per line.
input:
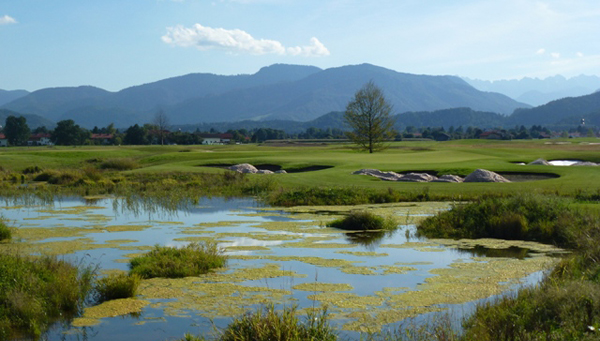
[566,305]
[35,292]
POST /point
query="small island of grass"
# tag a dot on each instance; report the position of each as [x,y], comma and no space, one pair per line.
[169,262]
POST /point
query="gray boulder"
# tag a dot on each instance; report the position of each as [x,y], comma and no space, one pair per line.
[540,162]
[244,168]
[482,175]
[585,163]
[264,171]
[281,171]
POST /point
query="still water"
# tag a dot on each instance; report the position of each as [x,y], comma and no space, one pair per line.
[368,281]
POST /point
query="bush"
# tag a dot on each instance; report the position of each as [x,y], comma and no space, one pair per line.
[191,260]
[267,324]
[34,292]
[119,164]
[117,286]
[363,220]
[5,231]
[32,170]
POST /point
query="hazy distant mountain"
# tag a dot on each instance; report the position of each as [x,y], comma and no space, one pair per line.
[537,91]
[51,103]
[7,96]
[447,118]
[331,89]
[572,108]
[277,92]
[33,121]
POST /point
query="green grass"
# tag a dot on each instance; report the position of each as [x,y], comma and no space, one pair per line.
[191,260]
[116,286]
[336,185]
[364,221]
[35,292]
[268,324]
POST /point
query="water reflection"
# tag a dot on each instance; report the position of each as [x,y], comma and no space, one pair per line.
[368,239]
[511,252]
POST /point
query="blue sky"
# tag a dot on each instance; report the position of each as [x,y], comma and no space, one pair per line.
[115,44]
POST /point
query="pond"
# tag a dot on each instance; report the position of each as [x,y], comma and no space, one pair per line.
[287,257]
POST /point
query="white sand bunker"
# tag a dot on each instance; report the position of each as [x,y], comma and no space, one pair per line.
[480,175]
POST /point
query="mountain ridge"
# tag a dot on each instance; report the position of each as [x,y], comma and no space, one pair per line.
[279,91]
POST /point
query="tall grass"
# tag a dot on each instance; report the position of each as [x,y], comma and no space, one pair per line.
[116,286]
[270,325]
[35,292]
[529,217]
[191,260]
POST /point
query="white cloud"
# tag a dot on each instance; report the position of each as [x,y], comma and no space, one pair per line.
[555,55]
[579,54]
[541,51]
[206,38]
[6,20]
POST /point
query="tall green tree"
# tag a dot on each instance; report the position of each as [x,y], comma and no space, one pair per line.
[16,130]
[67,133]
[368,114]
[135,135]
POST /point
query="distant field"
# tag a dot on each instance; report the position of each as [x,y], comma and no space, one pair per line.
[459,157]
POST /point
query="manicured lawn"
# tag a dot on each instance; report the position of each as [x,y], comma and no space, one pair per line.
[453,157]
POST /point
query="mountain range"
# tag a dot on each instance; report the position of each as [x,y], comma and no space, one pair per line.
[277,92]
[293,98]
[536,91]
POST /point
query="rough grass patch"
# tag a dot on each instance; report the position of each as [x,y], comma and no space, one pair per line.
[191,260]
[268,324]
[119,164]
[117,286]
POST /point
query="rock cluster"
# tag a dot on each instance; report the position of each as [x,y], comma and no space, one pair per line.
[480,175]
[248,168]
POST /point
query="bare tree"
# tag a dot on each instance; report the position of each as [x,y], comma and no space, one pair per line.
[368,114]
[161,121]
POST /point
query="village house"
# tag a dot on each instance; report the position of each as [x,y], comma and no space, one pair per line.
[102,138]
[40,139]
[491,135]
[216,138]
[3,141]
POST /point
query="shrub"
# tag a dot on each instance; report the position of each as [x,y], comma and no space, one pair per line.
[363,220]
[117,286]
[267,324]
[119,164]
[34,292]
[32,170]
[5,231]
[191,260]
